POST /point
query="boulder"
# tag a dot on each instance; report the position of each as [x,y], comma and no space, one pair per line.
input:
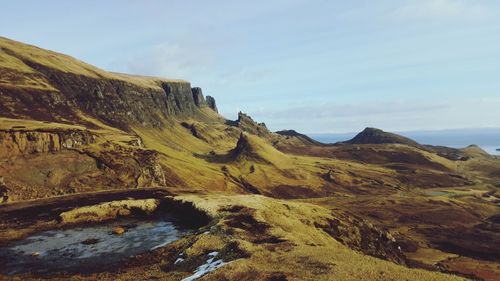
[118,230]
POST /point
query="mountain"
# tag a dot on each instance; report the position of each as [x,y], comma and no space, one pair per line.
[59,88]
[80,145]
[292,134]
[377,136]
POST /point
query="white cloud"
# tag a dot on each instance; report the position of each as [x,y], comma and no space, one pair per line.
[443,10]
[246,76]
[173,60]
[401,115]
[362,109]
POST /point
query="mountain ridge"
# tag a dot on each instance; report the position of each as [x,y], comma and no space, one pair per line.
[61,84]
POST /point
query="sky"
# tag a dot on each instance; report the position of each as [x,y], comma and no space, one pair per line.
[316,66]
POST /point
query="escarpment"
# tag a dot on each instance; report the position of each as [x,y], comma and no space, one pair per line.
[44,85]
[13,143]
[115,102]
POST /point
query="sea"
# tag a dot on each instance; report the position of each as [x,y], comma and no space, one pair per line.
[486,138]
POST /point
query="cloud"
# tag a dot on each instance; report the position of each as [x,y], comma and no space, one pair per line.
[401,115]
[246,76]
[331,110]
[173,60]
[443,10]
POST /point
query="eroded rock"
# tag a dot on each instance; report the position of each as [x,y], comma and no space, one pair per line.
[211,103]
[23,142]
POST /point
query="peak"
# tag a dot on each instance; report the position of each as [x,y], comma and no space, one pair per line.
[243,116]
[288,133]
[377,136]
[475,150]
[211,103]
[247,124]
[198,98]
[372,130]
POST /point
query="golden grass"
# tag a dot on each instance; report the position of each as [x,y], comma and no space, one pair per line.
[108,210]
[24,124]
[311,254]
[13,55]
[430,256]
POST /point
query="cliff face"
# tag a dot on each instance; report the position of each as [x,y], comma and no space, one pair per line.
[14,143]
[36,89]
[47,162]
[116,102]
[211,103]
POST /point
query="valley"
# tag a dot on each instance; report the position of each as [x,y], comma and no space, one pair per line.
[80,146]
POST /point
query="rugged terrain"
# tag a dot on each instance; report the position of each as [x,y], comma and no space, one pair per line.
[279,205]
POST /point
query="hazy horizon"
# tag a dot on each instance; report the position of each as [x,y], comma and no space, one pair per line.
[320,66]
[403,131]
[486,138]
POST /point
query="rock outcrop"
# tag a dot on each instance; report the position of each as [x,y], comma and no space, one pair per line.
[13,143]
[211,103]
[4,197]
[151,171]
[247,124]
[61,92]
[198,98]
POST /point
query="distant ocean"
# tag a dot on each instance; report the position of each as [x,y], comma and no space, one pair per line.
[488,139]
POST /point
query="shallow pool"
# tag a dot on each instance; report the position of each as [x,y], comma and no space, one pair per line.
[87,248]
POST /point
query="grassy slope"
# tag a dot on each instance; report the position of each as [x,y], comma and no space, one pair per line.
[314,256]
[16,56]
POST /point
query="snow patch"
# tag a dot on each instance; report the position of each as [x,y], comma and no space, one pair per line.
[209,266]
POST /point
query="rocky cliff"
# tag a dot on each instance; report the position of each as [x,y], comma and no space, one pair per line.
[35,88]
[14,143]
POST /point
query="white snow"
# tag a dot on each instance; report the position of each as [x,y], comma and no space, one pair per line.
[209,266]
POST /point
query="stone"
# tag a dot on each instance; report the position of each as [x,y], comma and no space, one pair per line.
[14,143]
[118,230]
[3,191]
